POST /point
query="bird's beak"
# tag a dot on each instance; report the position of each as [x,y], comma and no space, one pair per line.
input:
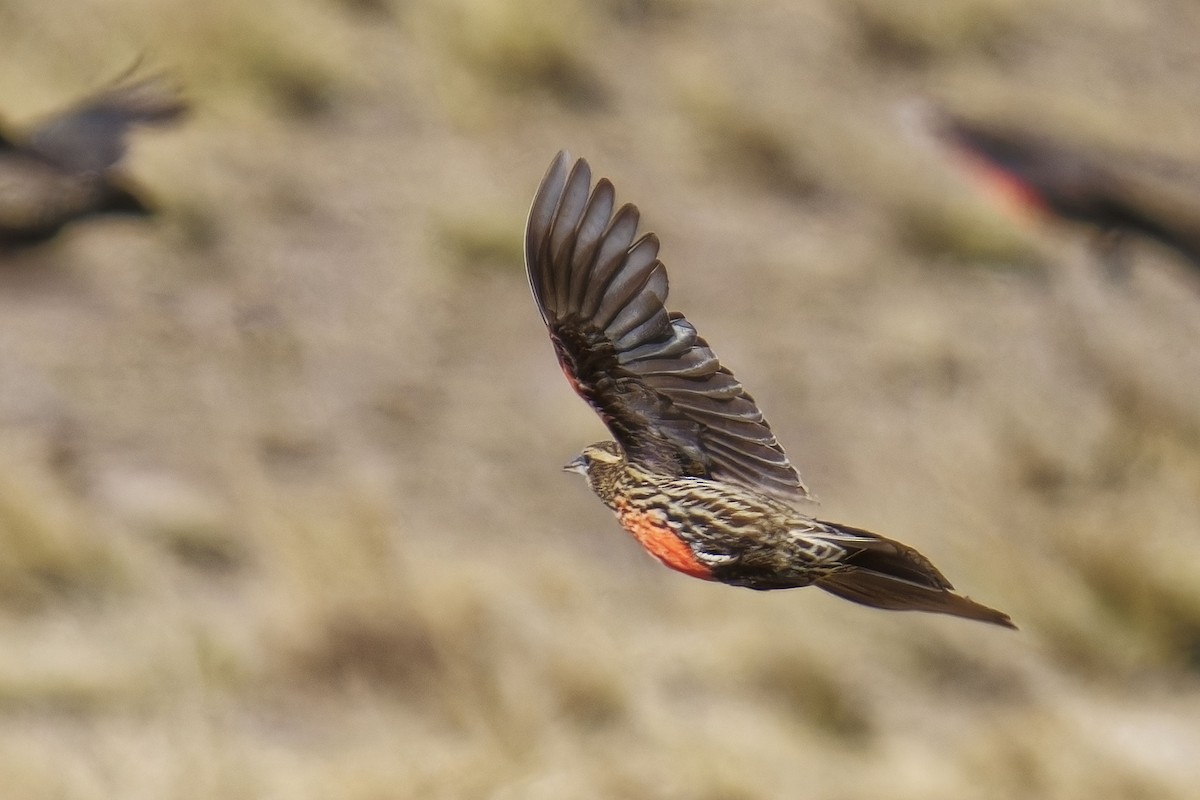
[576,464]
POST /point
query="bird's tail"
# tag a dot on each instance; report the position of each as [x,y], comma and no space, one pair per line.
[886,574]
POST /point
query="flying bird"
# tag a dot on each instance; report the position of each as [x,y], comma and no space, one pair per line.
[1117,194]
[694,473]
[64,168]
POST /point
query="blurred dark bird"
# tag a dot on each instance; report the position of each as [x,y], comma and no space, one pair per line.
[1116,194]
[695,474]
[63,169]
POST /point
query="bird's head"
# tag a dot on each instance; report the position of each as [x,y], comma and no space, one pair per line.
[600,463]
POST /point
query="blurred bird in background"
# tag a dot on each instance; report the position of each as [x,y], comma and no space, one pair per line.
[64,168]
[1117,194]
[695,474]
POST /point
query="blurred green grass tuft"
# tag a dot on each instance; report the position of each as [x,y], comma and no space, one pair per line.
[916,34]
[812,693]
[747,145]
[517,47]
[52,551]
[480,243]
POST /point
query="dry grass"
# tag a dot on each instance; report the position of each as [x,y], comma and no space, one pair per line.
[280,513]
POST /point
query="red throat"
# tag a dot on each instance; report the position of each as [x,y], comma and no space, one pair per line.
[653,533]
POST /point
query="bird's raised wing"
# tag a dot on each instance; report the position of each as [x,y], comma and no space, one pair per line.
[90,136]
[656,384]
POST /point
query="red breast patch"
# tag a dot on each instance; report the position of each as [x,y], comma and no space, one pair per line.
[653,533]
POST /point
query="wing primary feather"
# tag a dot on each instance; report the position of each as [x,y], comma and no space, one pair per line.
[645,305]
[609,258]
[629,280]
[587,240]
[567,217]
[537,234]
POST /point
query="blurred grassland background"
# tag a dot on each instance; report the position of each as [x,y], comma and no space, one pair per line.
[280,509]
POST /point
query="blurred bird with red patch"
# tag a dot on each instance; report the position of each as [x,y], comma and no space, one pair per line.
[694,473]
[1117,194]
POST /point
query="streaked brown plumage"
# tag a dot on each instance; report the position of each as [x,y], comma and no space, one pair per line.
[1115,193]
[695,473]
[62,170]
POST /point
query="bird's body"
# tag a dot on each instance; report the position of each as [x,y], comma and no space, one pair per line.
[695,474]
[62,170]
[723,532]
